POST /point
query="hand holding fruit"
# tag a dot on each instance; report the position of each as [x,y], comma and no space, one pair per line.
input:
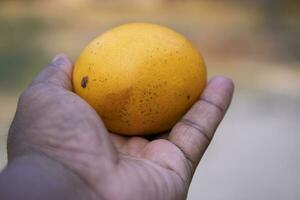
[60,136]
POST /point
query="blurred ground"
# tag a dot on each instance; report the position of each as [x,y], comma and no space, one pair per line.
[255,153]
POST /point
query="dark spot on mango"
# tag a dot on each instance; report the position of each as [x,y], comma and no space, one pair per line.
[188,97]
[84,81]
[115,105]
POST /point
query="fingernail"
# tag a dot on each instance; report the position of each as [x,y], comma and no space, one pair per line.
[59,60]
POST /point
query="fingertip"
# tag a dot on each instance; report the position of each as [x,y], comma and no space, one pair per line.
[222,80]
[222,83]
[61,59]
[58,72]
[63,62]
[219,90]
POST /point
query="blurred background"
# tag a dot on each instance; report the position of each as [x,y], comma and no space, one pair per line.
[256,151]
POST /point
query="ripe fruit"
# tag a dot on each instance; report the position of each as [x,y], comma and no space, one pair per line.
[141,78]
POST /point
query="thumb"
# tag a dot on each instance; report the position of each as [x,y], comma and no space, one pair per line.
[58,73]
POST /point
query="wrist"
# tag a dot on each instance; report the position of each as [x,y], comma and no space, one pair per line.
[37,176]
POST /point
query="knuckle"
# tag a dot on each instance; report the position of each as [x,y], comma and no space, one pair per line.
[196,126]
[214,104]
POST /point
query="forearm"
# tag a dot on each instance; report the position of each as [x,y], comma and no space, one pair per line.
[39,177]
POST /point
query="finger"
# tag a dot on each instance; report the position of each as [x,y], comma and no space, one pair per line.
[193,132]
[58,73]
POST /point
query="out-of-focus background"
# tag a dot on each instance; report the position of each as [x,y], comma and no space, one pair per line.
[256,151]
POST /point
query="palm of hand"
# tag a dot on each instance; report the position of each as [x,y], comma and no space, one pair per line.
[64,127]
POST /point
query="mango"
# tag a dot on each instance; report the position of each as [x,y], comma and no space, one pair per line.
[141,78]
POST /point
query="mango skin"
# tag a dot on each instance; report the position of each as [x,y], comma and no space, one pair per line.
[141,78]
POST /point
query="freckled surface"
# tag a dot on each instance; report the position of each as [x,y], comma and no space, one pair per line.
[116,104]
[143,77]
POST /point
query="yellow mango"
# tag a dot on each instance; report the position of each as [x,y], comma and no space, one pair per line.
[140,77]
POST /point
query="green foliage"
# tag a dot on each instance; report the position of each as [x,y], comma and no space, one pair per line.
[20,55]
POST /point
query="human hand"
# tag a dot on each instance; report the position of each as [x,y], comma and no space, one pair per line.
[54,124]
